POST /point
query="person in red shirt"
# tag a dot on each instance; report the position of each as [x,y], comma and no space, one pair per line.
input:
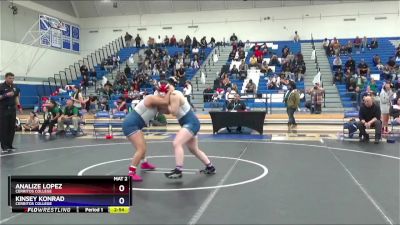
[357,42]
[259,54]
[172,41]
[120,105]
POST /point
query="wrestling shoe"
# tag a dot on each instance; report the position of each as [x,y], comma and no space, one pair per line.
[174,174]
[208,170]
[135,177]
[147,166]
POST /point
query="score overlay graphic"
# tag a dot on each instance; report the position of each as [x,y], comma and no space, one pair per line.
[70,194]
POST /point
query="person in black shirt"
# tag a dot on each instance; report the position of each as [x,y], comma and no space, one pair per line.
[363,69]
[53,112]
[128,39]
[233,38]
[370,117]
[138,40]
[351,64]
[9,102]
[237,105]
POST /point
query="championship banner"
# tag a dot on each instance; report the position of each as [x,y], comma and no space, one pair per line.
[75,38]
[44,31]
[66,37]
[56,38]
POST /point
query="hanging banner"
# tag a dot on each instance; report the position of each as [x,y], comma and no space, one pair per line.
[75,38]
[56,38]
[44,31]
[57,34]
[66,37]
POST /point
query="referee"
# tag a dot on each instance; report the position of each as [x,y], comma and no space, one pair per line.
[9,102]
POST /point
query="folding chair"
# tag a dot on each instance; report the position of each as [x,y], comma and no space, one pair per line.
[348,115]
[117,121]
[101,122]
[79,130]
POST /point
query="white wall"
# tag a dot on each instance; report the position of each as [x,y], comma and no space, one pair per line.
[323,21]
[22,61]
[20,58]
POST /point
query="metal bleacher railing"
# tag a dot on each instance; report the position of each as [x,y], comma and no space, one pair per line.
[71,74]
[316,64]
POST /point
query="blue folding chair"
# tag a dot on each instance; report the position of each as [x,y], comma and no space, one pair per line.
[101,123]
[116,123]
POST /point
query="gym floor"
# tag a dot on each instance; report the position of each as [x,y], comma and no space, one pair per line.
[258,180]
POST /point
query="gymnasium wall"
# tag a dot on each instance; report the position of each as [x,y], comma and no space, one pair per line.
[252,24]
[25,60]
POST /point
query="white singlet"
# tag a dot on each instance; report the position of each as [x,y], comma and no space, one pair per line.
[146,113]
[183,109]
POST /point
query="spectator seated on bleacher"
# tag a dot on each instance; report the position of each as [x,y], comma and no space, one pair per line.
[253,61]
[92,104]
[334,47]
[242,54]
[360,82]
[283,81]
[120,105]
[273,83]
[71,114]
[357,42]
[105,96]
[258,54]
[226,83]
[350,64]
[234,72]
[370,117]
[377,62]
[364,43]
[207,94]
[368,92]
[32,124]
[232,55]
[51,114]
[264,68]
[337,63]
[285,51]
[195,63]
[250,87]
[346,49]
[274,61]
[392,68]
[180,75]
[121,82]
[338,76]
[363,69]
[286,67]
[395,112]
[373,44]
[351,85]
[243,70]
[372,86]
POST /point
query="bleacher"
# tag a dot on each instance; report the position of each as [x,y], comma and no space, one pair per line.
[385,50]
[275,96]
